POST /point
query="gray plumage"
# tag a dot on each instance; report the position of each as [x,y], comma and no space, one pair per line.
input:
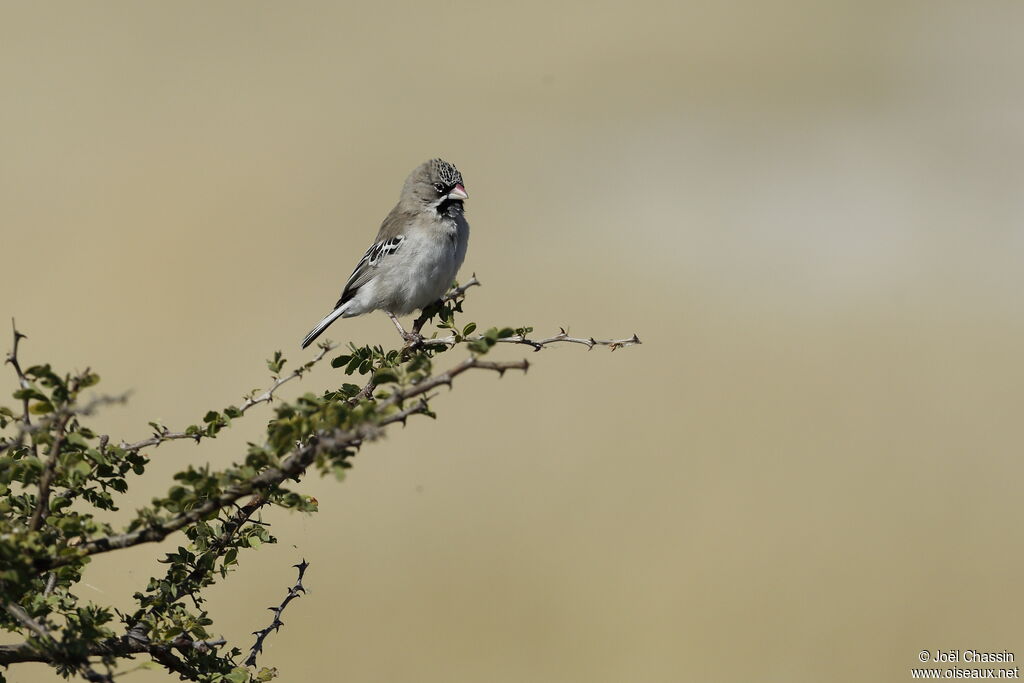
[418,251]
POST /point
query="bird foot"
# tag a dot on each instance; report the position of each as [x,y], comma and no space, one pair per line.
[413,340]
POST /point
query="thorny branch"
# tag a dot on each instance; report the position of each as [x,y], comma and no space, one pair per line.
[293,467]
[266,397]
[539,344]
[23,383]
[276,624]
[27,652]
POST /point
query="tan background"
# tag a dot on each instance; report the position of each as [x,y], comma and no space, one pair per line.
[810,212]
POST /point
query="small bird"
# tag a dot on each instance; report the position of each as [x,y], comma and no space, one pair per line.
[418,251]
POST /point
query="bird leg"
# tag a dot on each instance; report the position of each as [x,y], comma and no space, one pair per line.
[412,339]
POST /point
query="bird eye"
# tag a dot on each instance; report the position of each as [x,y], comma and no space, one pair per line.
[439,187]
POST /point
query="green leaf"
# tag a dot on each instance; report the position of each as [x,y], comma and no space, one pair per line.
[96,457]
[77,439]
[385,376]
[41,408]
[468,329]
[30,393]
[88,379]
[238,675]
[478,345]
[276,363]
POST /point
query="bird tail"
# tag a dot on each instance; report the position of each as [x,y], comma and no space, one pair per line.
[323,325]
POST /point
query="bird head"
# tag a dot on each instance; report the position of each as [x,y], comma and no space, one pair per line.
[437,185]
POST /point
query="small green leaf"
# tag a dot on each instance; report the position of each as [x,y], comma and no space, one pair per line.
[478,345]
[41,408]
[30,393]
[77,439]
[276,363]
[238,675]
[385,376]
[88,379]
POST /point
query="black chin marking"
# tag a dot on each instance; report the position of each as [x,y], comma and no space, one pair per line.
[450,207]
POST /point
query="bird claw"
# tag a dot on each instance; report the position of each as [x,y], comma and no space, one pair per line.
[413,340]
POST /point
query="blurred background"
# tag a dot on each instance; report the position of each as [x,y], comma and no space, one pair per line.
[811,213]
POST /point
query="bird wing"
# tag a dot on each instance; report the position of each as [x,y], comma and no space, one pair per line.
[367,266]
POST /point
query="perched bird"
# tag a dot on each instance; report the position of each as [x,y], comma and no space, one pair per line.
[417,253]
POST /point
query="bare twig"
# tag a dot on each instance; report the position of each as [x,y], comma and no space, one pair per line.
[456,292]
[12,359]
[538,344]
[298,372]
[23,383]
[166,435]
[276,624]
[445,378]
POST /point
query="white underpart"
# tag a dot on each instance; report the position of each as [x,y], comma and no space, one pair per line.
[415,275]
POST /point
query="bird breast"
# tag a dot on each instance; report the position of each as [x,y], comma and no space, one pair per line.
[431,260]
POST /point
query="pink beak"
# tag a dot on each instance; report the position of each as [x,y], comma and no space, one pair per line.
[458,192]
